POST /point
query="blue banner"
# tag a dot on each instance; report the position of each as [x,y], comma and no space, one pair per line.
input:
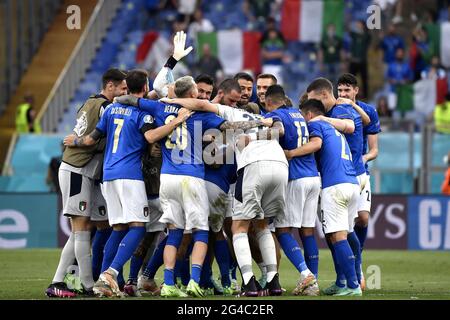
[28,220]
[429,223]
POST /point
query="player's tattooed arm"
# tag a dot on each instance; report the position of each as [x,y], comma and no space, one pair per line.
[275,132]
[364,116]
[314,144]
[245,125]
[341,125]
[73,141]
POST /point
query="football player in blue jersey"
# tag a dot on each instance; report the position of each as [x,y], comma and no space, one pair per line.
[340,190]
[347,86]
[81,194]
[186,207]
[302,194]
[127,130]
[348,121]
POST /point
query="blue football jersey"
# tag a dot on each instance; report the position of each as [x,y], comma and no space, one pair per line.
[334,159]
[295,135]
[372,128]
[125,142]
[182,150]
[222,176]
[355,139]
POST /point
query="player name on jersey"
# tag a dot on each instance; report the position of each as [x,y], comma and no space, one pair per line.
[122,111]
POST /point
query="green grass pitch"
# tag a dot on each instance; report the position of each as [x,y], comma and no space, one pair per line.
[25,274]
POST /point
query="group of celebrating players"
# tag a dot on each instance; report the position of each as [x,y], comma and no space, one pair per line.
[184,179]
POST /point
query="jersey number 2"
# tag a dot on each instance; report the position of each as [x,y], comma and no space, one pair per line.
[119,123]
[343,154]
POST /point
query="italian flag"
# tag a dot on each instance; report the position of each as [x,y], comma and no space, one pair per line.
[422,95]
[237,50]
[153,50]
[438,35]
[307,20]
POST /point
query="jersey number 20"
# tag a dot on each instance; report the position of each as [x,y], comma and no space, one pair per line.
[181,133]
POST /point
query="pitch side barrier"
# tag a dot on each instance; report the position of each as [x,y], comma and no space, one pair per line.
[33,220]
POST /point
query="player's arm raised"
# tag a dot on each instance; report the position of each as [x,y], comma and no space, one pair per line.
[154,135]
[165,76]
[314,144]
[341,125]
[364,116]
[73,141]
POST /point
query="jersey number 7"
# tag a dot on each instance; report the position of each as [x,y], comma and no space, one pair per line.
[119,123]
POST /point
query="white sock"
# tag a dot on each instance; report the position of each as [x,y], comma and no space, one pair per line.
[268,252]
[67,259]
[114,271]
[243,255]
[305,273]
[84,258]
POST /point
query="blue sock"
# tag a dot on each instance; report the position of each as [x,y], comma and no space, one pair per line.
[156,260]
[120,279]
[233,268]
[361,233]
[292,250]
[356,248]
[98,245]
[127,246]
[205,275]
[196,272]
[111,247]
[346,260]
[222,252]
[311,254]
[169,278]
[185,272]
[135,265]
[340,276]
[177,269]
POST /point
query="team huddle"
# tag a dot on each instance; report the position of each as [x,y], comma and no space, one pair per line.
[170,177]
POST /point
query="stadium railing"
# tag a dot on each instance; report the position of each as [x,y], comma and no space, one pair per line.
[78,63]
[22,26]
[409,161]
[435,147]
[395,168]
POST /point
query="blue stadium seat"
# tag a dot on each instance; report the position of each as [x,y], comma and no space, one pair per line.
[397,183]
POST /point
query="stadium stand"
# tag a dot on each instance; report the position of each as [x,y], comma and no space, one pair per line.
[127,45]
